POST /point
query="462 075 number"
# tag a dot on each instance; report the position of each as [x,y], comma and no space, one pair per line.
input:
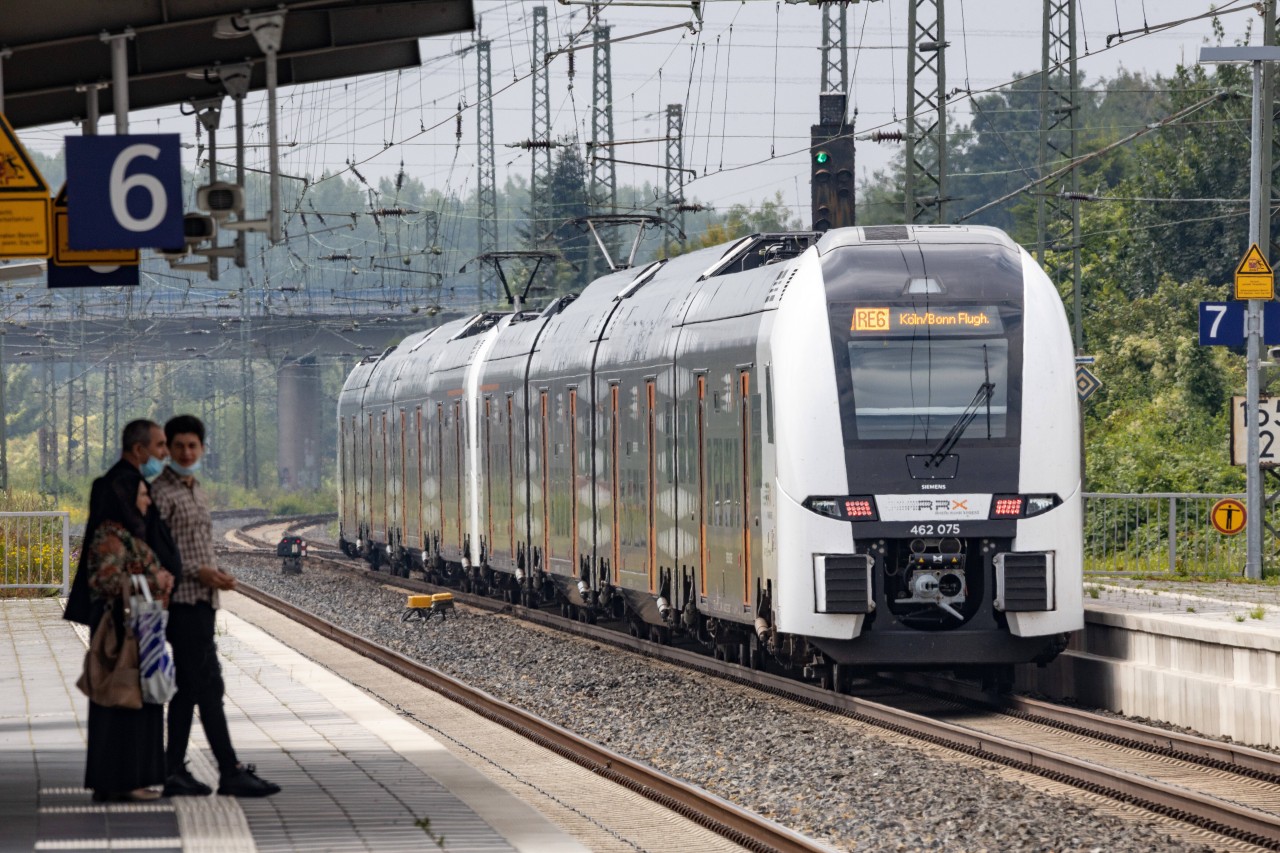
[935,530]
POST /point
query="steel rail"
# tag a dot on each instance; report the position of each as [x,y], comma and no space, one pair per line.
[1207,812]
[720,816]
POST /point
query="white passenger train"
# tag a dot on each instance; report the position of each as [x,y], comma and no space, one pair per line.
[857,449]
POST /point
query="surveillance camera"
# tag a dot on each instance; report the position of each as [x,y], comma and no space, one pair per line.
[220,199]
[197,228]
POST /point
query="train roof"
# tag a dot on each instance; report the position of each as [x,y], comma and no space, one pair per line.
[924,234]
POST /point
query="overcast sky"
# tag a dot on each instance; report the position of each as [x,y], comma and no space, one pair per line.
[748,80]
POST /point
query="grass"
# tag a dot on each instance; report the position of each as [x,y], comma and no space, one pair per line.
[1257,613]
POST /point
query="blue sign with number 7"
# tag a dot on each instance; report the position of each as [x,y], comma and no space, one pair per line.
[125,192]
[1222,323]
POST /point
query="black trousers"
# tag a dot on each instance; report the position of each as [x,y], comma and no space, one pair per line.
[199,678]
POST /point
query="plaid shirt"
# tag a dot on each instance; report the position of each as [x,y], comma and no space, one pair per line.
[186,511]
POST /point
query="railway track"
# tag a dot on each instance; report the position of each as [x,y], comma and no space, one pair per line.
[739,825]
[1220,788]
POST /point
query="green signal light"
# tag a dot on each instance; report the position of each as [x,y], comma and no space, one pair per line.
[821,157]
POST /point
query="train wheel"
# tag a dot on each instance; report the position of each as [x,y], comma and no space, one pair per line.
[755,654]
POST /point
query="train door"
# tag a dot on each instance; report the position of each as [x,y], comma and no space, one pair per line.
[346,476]
[440,489]
[420,536]
[651,478]
[402,493]
[384,496]
[488,476]
[546,480]
[700,459]
[459,468]
[511,475]
[748,429]
[370,479]
[572,532]
[616,491]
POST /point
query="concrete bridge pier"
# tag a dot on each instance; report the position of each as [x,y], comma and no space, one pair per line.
[300,410]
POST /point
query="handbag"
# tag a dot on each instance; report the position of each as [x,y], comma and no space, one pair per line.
[111,676]
[155,663]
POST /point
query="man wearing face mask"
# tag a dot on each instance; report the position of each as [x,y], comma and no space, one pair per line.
[192,613]
[143,450]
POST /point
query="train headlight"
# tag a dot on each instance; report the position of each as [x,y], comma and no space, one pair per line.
[852,508]
[1022,506]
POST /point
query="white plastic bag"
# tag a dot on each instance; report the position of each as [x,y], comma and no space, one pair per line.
[155,663]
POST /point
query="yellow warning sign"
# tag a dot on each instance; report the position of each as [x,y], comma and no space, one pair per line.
[24,228]
[18,173]
[1227,516]
[1254,278]
[64,255]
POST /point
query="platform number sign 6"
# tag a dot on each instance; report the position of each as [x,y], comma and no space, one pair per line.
[124,192]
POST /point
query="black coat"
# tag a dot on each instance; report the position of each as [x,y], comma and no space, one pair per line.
[79,603]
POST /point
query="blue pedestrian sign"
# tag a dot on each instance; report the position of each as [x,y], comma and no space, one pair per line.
[125,191]
[1222,324]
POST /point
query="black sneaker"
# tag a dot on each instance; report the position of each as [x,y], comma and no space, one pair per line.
[244,782]
[183,784]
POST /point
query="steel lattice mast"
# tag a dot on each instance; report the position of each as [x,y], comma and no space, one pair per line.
[604,179]
[486,179]
[835,70]
[926,137]
[540,149]
[1058,207]
[675,172]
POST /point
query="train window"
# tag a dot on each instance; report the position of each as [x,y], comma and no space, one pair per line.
[919,389]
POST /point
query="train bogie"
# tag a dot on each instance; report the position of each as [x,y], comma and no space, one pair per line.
[860,452]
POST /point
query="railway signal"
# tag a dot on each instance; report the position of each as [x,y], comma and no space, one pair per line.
[832,164]
[831,159]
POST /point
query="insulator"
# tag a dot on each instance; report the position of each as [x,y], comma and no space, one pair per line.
[458,130]
[886,136]
[571,64]
[690,208]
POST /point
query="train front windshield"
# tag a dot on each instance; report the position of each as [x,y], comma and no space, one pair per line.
[918,389]
[925,374]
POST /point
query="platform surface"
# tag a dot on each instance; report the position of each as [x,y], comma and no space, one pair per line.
[356,776]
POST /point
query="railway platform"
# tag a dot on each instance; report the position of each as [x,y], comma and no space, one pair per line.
[1203,655]
[367,761]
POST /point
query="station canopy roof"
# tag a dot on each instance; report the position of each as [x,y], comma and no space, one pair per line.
[56,46]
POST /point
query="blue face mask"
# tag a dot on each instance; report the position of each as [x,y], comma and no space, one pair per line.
[184,472]
[152,467]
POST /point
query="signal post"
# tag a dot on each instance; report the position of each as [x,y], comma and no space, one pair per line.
[1254,283]
[831,164]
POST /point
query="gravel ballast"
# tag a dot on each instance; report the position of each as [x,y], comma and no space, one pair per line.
[820,774]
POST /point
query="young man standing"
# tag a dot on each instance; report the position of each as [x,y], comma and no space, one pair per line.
[192,611]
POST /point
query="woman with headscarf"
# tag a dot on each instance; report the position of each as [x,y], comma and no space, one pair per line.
[126,747]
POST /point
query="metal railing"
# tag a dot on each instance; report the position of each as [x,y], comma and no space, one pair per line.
[35,551]
[1160,533]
